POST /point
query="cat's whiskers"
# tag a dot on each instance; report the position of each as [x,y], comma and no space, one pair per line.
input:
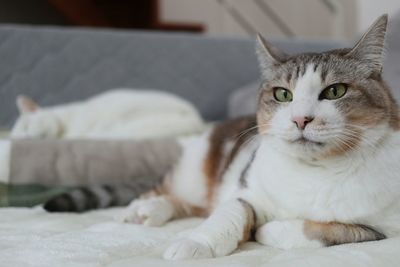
[373,147]
[365,156]
[335,132]
[337,143]
[360,136]
[248,141]
[241,134]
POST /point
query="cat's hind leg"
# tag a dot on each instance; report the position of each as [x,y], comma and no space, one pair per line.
[154,211]
[287,234]
[157,209]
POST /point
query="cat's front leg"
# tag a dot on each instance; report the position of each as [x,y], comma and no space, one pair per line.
[286,234]
[230,224]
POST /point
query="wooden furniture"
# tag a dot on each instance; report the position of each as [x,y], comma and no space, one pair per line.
[142,14]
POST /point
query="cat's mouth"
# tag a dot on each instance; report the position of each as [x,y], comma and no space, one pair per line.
[305,141]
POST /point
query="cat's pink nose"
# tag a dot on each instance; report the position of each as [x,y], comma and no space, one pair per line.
[301,122]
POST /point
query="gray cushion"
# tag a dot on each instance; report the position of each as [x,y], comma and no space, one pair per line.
[56,65]
[82,162]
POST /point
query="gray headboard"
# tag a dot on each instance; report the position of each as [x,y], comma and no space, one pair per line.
[55,65]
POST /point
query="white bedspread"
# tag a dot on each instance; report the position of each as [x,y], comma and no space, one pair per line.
[32,237]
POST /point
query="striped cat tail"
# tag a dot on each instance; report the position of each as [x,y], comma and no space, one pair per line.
[83,199]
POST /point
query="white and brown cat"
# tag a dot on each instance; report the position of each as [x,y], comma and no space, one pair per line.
[323,168]
[115,114]
[318,165]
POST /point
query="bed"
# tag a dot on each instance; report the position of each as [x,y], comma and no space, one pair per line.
[32,237]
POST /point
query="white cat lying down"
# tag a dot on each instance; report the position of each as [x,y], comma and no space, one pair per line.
[120,113]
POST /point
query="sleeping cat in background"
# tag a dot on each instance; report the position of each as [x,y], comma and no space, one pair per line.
[120,113]
[318,166]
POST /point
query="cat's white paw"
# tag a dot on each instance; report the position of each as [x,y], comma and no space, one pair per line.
[187,249]
[285,235]
[149,212]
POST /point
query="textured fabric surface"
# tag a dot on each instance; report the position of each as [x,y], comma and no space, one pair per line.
[57,65]
[90,162]
[31,237]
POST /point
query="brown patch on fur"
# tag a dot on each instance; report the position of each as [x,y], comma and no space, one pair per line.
[334,233]
[249,227]
[184,209]
[366,116]
[217,160]
[371,107]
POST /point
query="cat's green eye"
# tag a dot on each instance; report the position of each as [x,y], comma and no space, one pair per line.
[282,94]
[334,91]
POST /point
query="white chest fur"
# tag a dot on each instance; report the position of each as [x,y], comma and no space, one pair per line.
[357,189]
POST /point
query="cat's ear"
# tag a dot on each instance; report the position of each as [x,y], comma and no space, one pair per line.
[26,105]
[371,47]
[267,54]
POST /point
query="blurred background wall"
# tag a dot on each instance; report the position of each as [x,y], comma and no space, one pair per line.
[337,19]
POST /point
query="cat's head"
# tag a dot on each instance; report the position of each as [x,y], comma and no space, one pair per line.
[34,122]
[321,105]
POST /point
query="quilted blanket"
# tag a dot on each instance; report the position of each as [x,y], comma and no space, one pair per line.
[32,237]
